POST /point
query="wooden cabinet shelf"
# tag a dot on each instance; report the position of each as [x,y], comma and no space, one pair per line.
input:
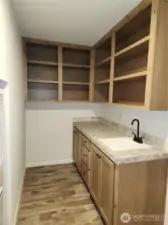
[135,29]
[42,81]
[105,61]
[76,83]
[134,48]
[126,67]
[133,61]
[130,76]
[34,62]
[103,52]
[76,66]
[133,90]
[102,82]
[58,73]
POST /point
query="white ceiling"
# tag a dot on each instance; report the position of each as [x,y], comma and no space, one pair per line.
[72,21]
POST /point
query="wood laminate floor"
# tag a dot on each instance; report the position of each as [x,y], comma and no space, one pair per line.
[56,195]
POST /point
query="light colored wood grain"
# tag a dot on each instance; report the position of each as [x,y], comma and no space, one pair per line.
[143,194]
[112,64]
[75,145]
[130,76]
[86,156]
[76,83]
[42,81]
[107,189]
[92,74]
[95,174]
[102,82]
[85,174]
[157,82]
[75,66]
[60,74]
[56,195]
[44,63]
[45,42]
[104,61]
[79,154]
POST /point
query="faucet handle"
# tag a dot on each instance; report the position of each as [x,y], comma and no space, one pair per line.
[141,139]
[134,136]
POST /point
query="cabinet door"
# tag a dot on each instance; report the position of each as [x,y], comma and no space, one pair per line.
[95,174]
[79,150]
[106,189]
[75,145]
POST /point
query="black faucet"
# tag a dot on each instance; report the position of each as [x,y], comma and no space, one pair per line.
[136,136]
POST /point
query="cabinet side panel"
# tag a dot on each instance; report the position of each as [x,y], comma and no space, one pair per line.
[159,98]
[141,191]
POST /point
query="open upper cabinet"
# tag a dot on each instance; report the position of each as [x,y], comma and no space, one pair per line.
[127,67]
[134,63]
[56,72]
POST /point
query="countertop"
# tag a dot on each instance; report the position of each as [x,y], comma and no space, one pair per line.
[95,130]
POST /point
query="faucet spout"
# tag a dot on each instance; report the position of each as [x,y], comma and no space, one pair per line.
[137,138]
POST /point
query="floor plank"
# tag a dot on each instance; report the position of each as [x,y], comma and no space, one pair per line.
[56,195]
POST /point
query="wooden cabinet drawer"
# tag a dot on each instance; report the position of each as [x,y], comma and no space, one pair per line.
[86,142]
[86,156]
[86,174]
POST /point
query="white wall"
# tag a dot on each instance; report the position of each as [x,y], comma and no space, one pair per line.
[11,70]
[154,123]
[49,130]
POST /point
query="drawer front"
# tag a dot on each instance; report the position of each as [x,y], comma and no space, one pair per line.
[86,174]
[86,142]
[86,156]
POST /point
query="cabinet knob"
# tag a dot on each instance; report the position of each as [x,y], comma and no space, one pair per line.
[98,156]
[84,155]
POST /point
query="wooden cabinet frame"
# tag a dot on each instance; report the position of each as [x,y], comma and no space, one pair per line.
[132,72]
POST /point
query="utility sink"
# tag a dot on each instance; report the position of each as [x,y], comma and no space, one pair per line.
[123,144]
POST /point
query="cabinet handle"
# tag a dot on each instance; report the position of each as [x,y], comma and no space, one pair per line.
[98,156]
[84,155]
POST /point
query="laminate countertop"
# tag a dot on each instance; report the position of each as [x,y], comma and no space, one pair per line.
[95,131]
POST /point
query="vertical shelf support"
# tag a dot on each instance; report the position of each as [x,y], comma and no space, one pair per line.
[60,74]
[92,71]
[111,84]
[151,54]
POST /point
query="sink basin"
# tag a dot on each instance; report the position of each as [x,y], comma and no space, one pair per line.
[122,143]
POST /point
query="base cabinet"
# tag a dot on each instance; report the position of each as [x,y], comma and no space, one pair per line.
[75,144]
[106,189]
[95,174]
[137,189]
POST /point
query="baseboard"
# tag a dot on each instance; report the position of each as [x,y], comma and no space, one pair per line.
[48,163]
[19,200]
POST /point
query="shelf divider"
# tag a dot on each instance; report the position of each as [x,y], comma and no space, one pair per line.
[136,44]
[102,82]
[75,66]
[130,76]
[42,81]
[76,83]
[43,63]
[60,74]
[104,61]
